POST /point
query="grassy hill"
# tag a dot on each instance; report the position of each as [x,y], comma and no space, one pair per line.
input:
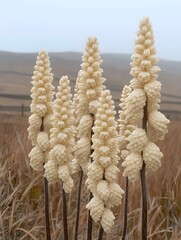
[16,70]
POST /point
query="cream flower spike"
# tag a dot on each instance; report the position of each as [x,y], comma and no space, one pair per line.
[159,123]
[124,128]
[135,103]
[102,174]
[107,220]
[125,93]
[137,140]
[152,156]
[143,61]
[145,94]
[60,165]
[89,85]
[42,94]
[76,98]
[144,70]
[91,80]
[133,164]
[41,109]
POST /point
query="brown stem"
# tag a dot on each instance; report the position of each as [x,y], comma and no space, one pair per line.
[144,203]
[47,222]
[42,126]
[64,212]
[101,232]
[89,222]
[143,185]
[78,206]
[125,209]
[46,199]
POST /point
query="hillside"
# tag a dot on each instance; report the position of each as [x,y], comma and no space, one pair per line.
[16,70]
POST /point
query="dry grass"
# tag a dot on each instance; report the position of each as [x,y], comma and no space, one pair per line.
[21,193]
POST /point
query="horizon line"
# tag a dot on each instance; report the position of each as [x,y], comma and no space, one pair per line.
[79,52]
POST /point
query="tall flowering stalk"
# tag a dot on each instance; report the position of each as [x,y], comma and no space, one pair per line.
[88,89]
[62,139]
[60,163]
[89,86]
[140,105]
[39,121]
[102,174]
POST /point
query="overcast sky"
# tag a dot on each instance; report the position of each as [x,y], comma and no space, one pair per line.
[65,25]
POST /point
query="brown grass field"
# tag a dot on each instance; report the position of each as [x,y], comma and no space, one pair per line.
[21,193]
[21,189]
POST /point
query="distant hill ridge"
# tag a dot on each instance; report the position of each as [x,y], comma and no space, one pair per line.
[16,70]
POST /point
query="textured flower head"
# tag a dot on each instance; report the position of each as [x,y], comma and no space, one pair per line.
[144,60]
[102,174]
[41,111]
[141,100]
[60,164]
[42,94]
[89,86]
[90,80]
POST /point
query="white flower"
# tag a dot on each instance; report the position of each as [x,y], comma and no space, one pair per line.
[140,104]
[43,140]
[85,126]
[62,137]
[96,207]
[115,195]
[152,156]
[135,103]
[90,80]
[133,164]
[41,109]
[51,171]
[95,171]
[36,158]
[42,94]
[158,122]
[89,86]
[102,172]
[103,189]
[107,220]
[137,140]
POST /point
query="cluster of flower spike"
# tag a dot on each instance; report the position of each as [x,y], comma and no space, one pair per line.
[102,172]
[89,86]
[90,79]
[41,109]
[62,137]
[141,100]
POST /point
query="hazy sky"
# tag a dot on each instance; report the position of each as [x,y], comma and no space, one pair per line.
[65,25]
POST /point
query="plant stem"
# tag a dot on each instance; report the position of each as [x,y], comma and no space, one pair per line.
[64,212]
[143,185]
[89,222]
[125,209]
[78,206]
[46,198]
[144,203]
[101,232]
[47,222]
